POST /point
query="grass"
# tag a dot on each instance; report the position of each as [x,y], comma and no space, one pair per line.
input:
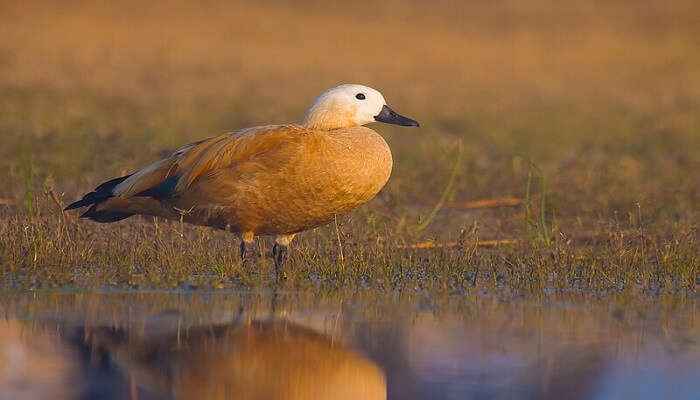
[602,98]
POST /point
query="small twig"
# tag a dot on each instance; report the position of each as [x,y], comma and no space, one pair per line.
[485,203]
[59,203]
[429,244]
[182,213]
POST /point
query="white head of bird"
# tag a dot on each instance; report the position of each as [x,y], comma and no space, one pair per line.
[351,105]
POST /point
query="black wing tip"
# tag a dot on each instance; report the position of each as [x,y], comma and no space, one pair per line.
[76,204]
[88,199]
[104,216]
[101,193]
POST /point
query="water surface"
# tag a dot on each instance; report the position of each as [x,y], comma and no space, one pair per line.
[303,346]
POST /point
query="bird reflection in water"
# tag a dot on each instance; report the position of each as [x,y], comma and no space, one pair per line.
[254,360]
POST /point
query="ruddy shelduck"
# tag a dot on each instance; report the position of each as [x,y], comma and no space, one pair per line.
[266,180]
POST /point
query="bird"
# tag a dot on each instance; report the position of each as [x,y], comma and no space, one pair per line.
[271,180]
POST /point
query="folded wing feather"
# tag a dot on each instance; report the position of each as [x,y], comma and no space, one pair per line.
[189,162]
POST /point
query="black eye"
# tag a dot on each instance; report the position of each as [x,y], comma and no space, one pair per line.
[360,96]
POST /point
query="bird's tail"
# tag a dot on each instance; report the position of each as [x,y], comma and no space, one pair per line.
[99,195]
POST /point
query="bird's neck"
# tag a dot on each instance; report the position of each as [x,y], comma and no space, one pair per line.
[329,116]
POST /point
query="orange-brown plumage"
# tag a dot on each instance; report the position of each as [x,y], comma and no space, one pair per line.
[267,180]
[271,180]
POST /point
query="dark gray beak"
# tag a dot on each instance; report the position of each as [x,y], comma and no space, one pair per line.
[391,117]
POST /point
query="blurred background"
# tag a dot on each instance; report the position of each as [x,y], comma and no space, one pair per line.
[601,96]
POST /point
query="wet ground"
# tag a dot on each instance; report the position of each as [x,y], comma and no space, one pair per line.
[255,345]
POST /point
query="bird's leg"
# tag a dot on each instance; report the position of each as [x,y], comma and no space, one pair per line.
[279,253]
[247,251]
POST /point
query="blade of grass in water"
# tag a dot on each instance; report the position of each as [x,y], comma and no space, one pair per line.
[543,218]
[445,193]
[528,210]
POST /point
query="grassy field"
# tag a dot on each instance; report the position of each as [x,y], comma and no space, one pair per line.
[585,116]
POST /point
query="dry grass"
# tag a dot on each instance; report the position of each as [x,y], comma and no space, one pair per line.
[600,98]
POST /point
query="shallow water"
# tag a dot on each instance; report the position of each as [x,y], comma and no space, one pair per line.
[303,346]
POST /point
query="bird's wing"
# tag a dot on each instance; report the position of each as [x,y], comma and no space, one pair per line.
[174,175]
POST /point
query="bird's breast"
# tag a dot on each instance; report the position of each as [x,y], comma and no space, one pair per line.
[352,164]
[331,174]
